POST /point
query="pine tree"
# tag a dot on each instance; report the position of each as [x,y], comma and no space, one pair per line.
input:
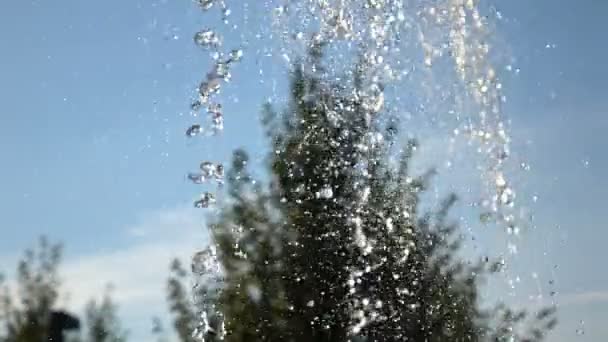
[335,248]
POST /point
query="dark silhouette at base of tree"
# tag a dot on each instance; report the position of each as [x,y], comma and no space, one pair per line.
[61,322]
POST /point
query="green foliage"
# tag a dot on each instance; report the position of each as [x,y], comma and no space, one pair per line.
[28,310]
[102,322]
[180,303]
[335,248]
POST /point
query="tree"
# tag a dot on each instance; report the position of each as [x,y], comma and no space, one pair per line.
[180,303]
[335,248]
[27,314]
[103,324]
[28,311]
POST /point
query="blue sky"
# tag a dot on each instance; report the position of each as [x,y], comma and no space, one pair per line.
[94,103]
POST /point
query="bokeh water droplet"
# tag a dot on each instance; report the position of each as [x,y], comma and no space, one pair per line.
[194,130]
[207,38]
[207,199]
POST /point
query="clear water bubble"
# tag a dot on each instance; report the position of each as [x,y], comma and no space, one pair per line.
[208,88]
[500,180]
[196,178]
[207,199]
[207,38]
[507,197]
[194,130]
[226,14]
[205,262]
[325,193]
[221,71]
[214,108]
[217,121]
[236,55]
[206,4]
[196,105]
[219,173]
[208,168]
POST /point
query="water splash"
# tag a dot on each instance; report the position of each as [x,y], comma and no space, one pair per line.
[207,271]
[194,130]
[207,39]
[210,86]
[207,199]
[439,50]
[204,263]
[442,50]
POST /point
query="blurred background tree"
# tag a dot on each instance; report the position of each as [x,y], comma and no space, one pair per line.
[102,322]
[29,310]
[181,303]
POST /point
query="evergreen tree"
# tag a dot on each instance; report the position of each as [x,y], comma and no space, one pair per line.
[180,302]
[335,248]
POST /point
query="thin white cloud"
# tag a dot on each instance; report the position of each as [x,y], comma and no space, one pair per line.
[137,272]
[583,298]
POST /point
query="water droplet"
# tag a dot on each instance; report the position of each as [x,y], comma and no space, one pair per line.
[208,168]
[205,262]
[236,55]
[214,109]
[325,193]
[500,181]
[209,88]
[205,201]
[206,4]
[485,217]
[217,122]
[196,105]
[586,163]
[507,196]
[194,130]
[225,14]
[254,293]
[207,38]
[219,173]
[196,178]
[428,61]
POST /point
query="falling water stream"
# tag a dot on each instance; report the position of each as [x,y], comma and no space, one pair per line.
[433,58]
